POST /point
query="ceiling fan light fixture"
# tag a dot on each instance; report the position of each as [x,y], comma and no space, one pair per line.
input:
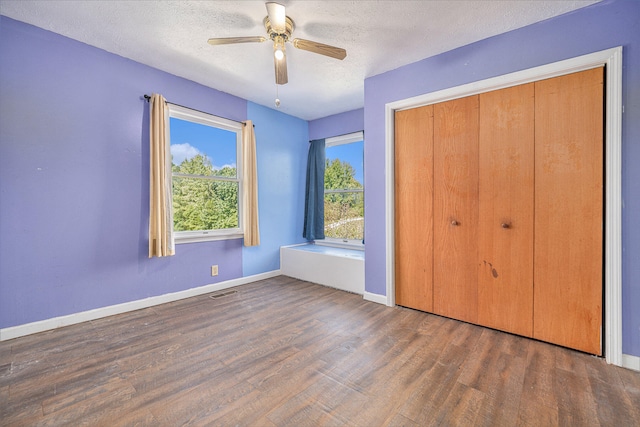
[278,47]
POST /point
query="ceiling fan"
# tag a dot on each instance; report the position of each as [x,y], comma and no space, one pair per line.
[279,29]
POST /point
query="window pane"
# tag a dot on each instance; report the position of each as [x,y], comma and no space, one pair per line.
[199,149]
[344,167]
[204,204]
[344,215]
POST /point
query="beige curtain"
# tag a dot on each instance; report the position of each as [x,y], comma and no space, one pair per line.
[161,242]
[250,189]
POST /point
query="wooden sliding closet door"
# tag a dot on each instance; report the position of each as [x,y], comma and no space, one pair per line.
[568,210]
[505,245]
[414,208]
[455,160]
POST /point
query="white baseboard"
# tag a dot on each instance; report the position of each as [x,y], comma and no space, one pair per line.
[380,299]
[631,362]
[84,316]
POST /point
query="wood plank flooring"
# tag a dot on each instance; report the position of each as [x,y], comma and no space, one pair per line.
[283,352]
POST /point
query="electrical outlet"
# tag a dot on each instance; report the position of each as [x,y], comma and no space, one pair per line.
[214,270]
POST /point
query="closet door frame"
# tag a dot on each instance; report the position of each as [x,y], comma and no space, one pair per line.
[612,60]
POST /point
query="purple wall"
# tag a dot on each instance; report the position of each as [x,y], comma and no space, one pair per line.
[598,27]
[74,179]
[336,125]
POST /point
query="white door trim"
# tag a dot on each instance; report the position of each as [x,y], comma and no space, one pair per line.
[612,59]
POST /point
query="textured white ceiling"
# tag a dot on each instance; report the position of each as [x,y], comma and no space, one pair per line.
[378,35]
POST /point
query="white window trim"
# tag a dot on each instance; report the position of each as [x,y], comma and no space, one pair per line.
[612,59]
[344,139]
[187,114]
[330,241]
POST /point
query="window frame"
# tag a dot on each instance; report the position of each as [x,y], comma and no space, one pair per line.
[206,119]
[332,142]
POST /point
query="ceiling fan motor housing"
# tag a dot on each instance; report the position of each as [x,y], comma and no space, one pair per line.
[288,30]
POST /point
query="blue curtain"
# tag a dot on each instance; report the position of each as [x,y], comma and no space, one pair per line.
[314,192]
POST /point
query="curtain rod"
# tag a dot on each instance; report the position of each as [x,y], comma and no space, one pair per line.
[148,98]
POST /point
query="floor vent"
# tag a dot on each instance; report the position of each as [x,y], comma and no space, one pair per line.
[222,294]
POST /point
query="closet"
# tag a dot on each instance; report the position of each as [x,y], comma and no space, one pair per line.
[499,209]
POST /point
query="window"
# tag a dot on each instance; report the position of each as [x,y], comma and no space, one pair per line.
[344,189]
[205,164]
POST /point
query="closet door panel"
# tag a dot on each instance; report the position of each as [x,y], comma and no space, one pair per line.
[456,209]
[414,208]
[506,180]
[568,210]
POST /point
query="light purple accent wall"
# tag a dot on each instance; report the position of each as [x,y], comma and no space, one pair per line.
[601,26]
[281,145]
[336,125]
[74,179]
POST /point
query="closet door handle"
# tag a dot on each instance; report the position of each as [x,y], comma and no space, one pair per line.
[506,225]
[454,223]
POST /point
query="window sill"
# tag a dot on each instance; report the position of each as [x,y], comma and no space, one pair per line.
[340,244]
[199,237]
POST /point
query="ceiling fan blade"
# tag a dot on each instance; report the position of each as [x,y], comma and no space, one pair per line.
[281,70]
[321,48]
[233,40]
[277,16]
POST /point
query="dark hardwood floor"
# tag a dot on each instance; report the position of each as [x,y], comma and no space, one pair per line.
[283,352]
